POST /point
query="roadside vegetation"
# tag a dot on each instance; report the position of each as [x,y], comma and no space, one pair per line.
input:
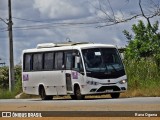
[4,82]
[142,60]
[143,78]
[142,63]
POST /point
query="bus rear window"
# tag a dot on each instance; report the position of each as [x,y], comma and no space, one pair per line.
[27,62]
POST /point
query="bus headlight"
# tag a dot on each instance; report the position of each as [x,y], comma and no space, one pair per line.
[123,81]
[92,83]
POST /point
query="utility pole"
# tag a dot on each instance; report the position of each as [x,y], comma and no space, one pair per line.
[11,58]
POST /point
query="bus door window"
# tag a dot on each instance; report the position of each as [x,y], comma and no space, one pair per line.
[77,62]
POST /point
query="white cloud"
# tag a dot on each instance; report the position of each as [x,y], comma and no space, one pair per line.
[60,9]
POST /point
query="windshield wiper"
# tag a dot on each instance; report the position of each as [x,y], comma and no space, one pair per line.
[113,67]
[106,70]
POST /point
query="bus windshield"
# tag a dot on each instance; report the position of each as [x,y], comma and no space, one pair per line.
[103,63]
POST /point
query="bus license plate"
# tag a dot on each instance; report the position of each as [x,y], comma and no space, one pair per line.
[109,91]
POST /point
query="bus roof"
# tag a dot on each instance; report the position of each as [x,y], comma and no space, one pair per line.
[66,46]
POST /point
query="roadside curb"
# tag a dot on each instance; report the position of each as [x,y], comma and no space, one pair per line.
[18,96]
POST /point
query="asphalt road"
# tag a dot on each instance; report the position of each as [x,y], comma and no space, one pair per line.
[121,104]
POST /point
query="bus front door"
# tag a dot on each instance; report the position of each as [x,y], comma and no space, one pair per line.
[74,71]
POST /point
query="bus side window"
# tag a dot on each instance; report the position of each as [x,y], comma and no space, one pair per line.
[48,60]
[59,61]
[37,61]
[68,60]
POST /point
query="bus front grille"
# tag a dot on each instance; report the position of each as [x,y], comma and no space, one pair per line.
[105,88]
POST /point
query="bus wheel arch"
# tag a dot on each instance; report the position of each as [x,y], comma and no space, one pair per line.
[77,92]
[42,93]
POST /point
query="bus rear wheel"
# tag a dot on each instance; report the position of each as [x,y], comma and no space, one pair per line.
[43,94]
[115,95]
[78,94]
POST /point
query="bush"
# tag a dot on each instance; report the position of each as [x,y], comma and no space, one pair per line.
[143,76]
[5,94]
[4,82]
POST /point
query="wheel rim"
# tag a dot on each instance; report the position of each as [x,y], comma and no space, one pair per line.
[78,94]
[42,93]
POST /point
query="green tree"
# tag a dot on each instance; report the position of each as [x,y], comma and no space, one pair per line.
[144,43]
[18,78]
[4,77]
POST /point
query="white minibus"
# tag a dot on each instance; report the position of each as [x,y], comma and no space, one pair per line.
[76,69]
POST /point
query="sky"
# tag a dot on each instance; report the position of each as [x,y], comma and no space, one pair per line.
[50,21]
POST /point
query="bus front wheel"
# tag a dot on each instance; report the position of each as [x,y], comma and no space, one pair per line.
[78,94]
[43,94]
[115,95]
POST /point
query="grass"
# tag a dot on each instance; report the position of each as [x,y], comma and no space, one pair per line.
[6,94]
[143,78]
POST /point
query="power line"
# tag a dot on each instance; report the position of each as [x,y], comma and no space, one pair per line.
[3,21]
[3,30]
[53,25]
[47,20]
[24,19]
[45,24]
[50,25]
[53,28]
[38,27]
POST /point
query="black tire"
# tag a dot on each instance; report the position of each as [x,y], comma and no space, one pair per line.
[115,95]
[49,97]
[73,97]
[78,94]
[44,96]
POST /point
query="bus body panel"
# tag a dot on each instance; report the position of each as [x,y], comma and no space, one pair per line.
[61,82]
[87,90]
[53,82]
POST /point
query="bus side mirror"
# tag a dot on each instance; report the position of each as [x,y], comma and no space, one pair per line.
[122,56]
[77,59]
[77,63]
